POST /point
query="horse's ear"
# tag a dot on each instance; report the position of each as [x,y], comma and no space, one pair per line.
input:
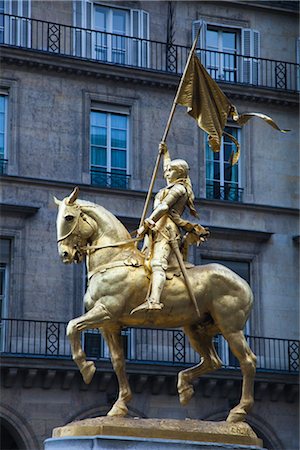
[74,195]
[56,201]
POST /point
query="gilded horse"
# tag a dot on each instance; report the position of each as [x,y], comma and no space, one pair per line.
[118,283]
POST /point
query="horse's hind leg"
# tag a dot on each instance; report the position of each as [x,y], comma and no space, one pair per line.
[91,319]
[202,342]
[115,344]
[241,350]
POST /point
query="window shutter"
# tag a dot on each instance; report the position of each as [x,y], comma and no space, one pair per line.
[77,13]
[202,38]
[250,48]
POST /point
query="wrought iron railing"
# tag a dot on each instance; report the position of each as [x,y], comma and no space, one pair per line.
[228,192]
[101,178]
[47,339]
[3,166]
[146,54]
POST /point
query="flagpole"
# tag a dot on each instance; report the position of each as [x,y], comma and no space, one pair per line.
[154,174]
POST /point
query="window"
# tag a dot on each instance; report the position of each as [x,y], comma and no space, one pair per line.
[109,149]
[114,35]
[3,133]
[229,54]
[223,179]
[222,47]
[242,268]
[15,26]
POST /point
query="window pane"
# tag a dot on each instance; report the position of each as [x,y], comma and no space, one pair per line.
[118,138]
[98,136]
[98,157]
[118,159]
[229,41]
[216,170]
[2,103]
[118,121]
[119,22]
[212,39]
[1,145]
[100,19]
[98,118]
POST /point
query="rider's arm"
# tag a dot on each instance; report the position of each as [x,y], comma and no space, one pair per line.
[163,208]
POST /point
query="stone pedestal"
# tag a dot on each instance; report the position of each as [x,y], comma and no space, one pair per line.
[111,433]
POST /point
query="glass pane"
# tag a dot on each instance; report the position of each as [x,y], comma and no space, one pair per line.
[209,170]
[99,119]
[118,159]
[2,145]
[98,136]
[229,41]
[119,22]
[212,39]
[100,18]
[118,138]
[118,121]
[2,121]
[228,148]
[98,156]
[216,170]
[2,103]
[2,280]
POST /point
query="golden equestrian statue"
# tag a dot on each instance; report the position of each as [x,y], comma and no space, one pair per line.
[115,268]
[130,288]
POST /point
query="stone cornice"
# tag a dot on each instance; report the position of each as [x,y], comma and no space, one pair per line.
[79,67]
[20,210]
[86,188]
[46,373]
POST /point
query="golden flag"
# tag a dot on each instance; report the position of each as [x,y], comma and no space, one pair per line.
[210,107]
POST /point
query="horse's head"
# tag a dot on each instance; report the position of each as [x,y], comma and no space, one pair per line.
[74,228]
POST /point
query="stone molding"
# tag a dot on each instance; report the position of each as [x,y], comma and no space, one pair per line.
[94,69]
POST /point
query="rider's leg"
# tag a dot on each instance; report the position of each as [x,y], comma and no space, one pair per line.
[159,265]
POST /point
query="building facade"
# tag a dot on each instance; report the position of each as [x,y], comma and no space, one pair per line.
[86,90]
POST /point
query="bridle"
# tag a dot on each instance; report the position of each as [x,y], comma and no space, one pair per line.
[86,248]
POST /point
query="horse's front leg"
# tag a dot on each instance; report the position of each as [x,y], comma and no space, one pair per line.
[92,319]
[115,343]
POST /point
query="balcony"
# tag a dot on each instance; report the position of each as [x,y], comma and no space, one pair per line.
[102,178]
[170,347]
[147,55]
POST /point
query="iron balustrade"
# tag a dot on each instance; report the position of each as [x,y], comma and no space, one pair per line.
[228,192]
[47,339]
[102,178]
[110,48]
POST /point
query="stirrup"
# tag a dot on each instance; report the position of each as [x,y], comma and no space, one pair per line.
[148,305]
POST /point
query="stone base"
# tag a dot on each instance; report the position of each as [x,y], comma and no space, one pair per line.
[152,434]
[130,443]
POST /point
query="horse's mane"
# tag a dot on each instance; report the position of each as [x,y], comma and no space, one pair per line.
[105,217]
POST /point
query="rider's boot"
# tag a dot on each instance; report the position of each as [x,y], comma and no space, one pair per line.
[152,302]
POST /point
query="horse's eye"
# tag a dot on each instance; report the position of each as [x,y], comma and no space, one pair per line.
[69,218]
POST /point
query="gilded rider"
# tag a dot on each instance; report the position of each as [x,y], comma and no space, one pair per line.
[169,205]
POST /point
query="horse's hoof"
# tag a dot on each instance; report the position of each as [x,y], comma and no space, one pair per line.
[186,394]
[118,410]
[235,417]
[88,371]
